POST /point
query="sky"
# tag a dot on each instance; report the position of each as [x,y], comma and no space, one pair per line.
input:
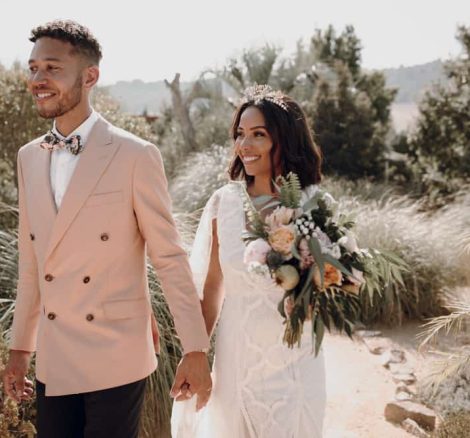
[152,39]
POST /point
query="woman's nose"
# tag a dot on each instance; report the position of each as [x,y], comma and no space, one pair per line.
[245,143]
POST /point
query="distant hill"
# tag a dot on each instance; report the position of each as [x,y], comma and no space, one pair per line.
[137,96]
[412,82]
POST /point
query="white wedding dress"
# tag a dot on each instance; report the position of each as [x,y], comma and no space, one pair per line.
[262,388]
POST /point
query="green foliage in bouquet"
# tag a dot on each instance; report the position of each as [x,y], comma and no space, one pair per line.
[290,190]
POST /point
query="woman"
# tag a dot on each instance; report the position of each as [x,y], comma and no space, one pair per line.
[261,387]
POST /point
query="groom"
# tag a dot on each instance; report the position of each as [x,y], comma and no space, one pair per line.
[93,202]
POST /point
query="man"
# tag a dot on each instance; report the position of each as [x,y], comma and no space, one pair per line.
[93,201]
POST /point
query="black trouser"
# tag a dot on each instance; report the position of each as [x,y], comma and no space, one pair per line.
[109,413]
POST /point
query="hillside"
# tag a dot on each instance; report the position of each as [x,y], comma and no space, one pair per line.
[412,82]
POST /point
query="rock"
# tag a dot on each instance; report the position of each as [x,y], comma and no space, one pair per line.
[412,427]
[403,396]
[376,345]
[400,368]
[405,388]
[392,356]
[368,333]
[406,378]
[397,412]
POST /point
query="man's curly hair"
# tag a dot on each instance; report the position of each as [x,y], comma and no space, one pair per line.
[80,37]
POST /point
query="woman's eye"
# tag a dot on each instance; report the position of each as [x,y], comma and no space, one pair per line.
[259,134]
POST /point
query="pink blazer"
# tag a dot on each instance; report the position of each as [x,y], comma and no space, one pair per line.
[82,301]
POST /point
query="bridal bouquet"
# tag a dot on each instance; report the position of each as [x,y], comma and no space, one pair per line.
[311,252]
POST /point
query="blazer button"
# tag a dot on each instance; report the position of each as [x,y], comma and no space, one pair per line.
[90,317]
[49,277]
[104,237]
[51,316]
[32,236]
[86,279]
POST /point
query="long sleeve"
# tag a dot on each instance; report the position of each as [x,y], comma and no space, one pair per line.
[27,306]
[152,206]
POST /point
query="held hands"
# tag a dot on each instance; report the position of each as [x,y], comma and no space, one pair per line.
[16,385]
[193,377]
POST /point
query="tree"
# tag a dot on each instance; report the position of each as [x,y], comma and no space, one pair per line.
[439,149]
[255,66]
[181,107]
[19,124]
[349,109]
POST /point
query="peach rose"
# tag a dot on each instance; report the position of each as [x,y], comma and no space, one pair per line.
[332,276]
[282,239]
[280,216]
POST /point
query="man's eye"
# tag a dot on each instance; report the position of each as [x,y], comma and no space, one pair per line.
[33,69]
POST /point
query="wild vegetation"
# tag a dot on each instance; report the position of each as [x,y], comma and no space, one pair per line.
[406,192]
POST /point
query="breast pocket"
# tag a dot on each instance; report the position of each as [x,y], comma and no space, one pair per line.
[104,198]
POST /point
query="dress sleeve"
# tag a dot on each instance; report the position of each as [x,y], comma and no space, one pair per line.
[200,253]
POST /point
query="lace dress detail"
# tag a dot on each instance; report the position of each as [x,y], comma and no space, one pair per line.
[262,389]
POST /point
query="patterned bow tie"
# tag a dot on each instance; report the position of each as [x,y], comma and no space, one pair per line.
[52,143]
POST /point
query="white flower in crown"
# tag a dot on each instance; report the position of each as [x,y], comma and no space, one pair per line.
[257,93]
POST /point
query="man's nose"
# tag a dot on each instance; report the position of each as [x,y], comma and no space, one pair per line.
[37,78]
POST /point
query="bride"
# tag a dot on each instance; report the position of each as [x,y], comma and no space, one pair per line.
[262,389]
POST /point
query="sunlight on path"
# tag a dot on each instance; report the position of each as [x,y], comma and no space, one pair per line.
[358,388]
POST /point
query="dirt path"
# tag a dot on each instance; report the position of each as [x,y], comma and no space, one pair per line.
[359,387]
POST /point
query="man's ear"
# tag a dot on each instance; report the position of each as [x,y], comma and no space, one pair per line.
[92,75]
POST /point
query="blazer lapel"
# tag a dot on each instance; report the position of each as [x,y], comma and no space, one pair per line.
[42,178]
[93,161]
[40,201]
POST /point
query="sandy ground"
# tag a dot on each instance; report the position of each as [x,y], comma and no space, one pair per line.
[359,387]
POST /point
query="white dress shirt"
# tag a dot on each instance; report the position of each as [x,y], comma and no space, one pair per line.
[63,162]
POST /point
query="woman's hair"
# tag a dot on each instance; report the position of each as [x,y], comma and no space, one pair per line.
[287,125]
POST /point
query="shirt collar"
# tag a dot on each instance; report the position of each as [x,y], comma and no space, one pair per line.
[83,130]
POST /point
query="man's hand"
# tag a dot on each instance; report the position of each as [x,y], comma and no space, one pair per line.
[193,377]
[16,385]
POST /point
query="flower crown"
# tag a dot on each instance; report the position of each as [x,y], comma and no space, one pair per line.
[257,93]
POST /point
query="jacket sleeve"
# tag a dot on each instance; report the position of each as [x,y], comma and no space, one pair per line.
[152,206]
[27,305]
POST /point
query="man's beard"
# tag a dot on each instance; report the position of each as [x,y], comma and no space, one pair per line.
[67,103]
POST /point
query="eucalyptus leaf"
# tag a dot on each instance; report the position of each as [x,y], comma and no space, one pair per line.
[319,329]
